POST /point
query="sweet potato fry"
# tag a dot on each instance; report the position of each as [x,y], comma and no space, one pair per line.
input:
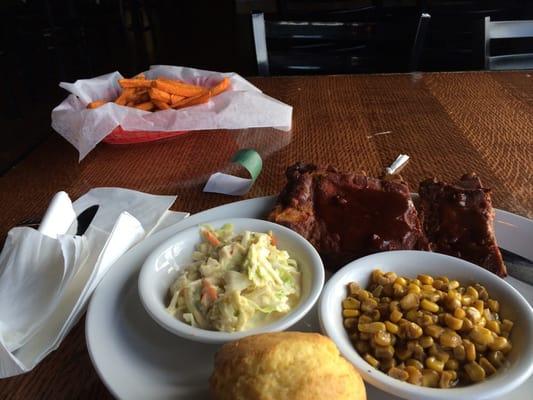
[125,97]
[161,104]
[122,100]
[220,87]
[134,83]
[179,88]
[96,104]
[192,101]
[147,106]
[174,98]
[163,93]
[142,97]
[159,95]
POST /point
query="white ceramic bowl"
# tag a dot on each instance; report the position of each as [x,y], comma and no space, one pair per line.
[163,266]
[411,263]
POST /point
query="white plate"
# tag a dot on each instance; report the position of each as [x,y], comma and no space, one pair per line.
[137,359]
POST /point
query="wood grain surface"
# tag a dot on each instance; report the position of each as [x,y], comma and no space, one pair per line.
[449,123]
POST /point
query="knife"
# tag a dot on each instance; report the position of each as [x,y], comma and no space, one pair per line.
[517,266]
[85,218]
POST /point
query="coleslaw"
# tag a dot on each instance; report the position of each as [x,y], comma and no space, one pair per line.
[235,281]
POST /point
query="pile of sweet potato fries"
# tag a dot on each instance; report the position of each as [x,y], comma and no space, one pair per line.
[162,93]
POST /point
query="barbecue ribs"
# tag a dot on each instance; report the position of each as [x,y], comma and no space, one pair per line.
[458,220]
[348,215]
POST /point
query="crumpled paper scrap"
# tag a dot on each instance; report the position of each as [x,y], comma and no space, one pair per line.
[234,185]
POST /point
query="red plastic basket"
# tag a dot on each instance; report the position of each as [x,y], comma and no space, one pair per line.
[120,136]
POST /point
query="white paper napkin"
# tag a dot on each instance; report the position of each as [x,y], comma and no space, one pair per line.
[45,282]
[242,106]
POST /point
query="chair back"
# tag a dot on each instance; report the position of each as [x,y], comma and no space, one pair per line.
[507,30]
[456,34]
[327,47]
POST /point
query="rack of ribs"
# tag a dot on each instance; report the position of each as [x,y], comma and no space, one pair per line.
[348,215]
[458,221]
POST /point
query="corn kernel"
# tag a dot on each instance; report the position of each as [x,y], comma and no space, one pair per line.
[398,373]
[434,364]
[426,341]
[350,313]
[396,315]
[474,371]
[473,314]
[459,313]
[362,346]
[452,364]
[450,340]
[429,306]
[415,376]
[499,343]
[409,301]
[401,281]
[414,288]
[376,275]
[371,327]
[391,327]
[414,363]
[382,338]
[496,358]
[493,326]
[384,352]
[487,366]
[470,350]
[472,292]
[425,279]
[459,352]
[371,360]
[350,302]
[368,305]
[494,306]
[350,323]
[452,322]
[434,331]
[453,284]
[481,335]
[446,379]
[353,287]
[430,378]
[479,305]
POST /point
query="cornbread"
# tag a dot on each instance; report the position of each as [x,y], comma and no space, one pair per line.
[284,365]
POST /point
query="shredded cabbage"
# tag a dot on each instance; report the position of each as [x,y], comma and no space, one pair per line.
[235,282]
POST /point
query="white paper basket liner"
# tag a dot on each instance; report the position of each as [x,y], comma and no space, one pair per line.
[242,106]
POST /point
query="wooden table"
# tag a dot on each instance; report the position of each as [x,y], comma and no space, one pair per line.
[449,123]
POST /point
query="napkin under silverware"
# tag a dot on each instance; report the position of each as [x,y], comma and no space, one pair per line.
[46,278]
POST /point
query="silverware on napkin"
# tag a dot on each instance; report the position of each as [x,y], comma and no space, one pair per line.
[85,218]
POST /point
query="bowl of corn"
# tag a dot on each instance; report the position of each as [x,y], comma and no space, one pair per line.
[423,325]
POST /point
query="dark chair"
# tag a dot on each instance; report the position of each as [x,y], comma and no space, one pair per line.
[329,10]
[507,30]
[456,33]
[320,47]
